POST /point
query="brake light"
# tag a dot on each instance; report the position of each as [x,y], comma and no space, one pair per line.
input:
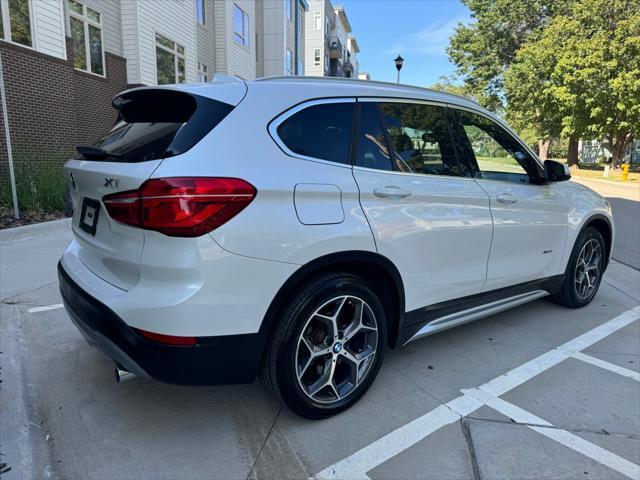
[181,206]
[167,339]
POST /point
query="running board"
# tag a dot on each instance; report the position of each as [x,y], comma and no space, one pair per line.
[475,313]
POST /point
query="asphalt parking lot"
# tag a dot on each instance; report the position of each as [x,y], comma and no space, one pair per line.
[537,392]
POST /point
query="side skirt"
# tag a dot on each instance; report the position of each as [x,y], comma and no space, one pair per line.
[435,318]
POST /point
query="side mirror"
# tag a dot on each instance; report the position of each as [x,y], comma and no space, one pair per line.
[556,171]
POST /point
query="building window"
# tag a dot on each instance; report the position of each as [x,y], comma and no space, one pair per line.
[316,57]
[241,26]
[288,6]
[202,73]
[317,21]
[86,31]
[169,61]
[15,22]
[289,62]
[199,5]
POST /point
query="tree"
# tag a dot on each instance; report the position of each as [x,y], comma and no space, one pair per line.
[581,77]
[484,49]
[448,84]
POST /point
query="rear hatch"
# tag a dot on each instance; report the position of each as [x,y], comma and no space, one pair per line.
[154,123]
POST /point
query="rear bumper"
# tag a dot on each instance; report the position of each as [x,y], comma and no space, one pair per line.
[215,360]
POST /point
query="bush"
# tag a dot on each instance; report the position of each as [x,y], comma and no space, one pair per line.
[39,189]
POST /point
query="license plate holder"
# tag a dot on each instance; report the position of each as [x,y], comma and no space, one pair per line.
[89,215]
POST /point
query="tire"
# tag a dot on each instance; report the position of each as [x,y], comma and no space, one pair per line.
[342,296]
[573,293]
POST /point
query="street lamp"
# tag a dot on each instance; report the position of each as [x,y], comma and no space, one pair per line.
[399,61]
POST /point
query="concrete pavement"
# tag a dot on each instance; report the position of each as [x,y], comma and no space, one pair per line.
[509,396]
[625,203]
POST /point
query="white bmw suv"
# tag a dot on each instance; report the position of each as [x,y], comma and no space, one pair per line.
[294,228]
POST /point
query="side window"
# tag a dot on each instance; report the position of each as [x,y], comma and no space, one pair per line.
[321,131]
[373,151]
[420,139]
[499,156]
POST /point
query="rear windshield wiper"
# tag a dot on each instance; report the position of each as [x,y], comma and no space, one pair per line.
[91,152]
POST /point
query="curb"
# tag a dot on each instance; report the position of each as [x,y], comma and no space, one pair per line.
[15,234]
[607,182]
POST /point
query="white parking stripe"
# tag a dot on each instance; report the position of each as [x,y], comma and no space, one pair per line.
[378,452]
[567,439]
[625,372]
[44,309]
[527,371]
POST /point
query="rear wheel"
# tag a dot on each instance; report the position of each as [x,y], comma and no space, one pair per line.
[328,346]
[584,271]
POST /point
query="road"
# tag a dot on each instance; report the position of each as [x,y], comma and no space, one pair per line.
[625,203]
[537,392]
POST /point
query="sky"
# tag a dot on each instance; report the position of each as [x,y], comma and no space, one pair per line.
[418,30]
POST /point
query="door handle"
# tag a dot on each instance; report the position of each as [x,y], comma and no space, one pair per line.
[393,193]
[506,199]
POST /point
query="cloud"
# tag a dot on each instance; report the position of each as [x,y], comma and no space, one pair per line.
[431,40]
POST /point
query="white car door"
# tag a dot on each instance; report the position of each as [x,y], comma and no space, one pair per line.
[530,216]
[427,214]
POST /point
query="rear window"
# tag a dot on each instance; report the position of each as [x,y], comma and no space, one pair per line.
[156,124]
[320,131]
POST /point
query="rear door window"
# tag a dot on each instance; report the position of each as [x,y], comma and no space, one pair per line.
[320,131]
[373,150]
[420,139]
[155,124]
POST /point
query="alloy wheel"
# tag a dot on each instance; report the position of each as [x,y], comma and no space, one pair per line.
[588,268]
[336,349]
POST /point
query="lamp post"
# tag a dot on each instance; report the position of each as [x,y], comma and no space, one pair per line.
[399,61]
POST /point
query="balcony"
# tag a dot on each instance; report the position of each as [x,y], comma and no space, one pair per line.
[335,47]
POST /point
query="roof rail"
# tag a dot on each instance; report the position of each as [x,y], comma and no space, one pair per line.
[363,82]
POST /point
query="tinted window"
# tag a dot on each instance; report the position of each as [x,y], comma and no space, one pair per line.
[373,151]
[320,131]
[499,156]
[156,124]
[420,139]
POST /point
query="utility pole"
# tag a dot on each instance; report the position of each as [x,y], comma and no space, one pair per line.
[5,118]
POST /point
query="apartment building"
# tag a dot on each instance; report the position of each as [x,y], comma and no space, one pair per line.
[64,60]
[281,26]
[331,48]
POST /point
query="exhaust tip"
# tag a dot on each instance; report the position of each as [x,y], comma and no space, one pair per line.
[122,374]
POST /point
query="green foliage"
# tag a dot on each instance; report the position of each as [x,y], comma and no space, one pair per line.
[38,190]
[484,49]
[581,77]
[448,84]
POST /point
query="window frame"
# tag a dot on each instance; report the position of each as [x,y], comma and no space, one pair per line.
[86,21]
[203,70]
[317,55]
[317,21]
[177,55]
[462,159]
[275,123]
[465,149]
[5,19]
[199,6]
[242,39]
[288,63]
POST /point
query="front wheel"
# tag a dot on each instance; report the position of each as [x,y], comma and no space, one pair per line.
[328,346]
[584,271]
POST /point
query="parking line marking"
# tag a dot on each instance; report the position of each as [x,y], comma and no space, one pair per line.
[367,458]
[625,372]
[44,309]
[568,439]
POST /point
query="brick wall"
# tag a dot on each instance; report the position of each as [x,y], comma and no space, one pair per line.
[52,107]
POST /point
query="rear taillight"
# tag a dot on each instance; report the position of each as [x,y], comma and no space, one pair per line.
[181,206]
